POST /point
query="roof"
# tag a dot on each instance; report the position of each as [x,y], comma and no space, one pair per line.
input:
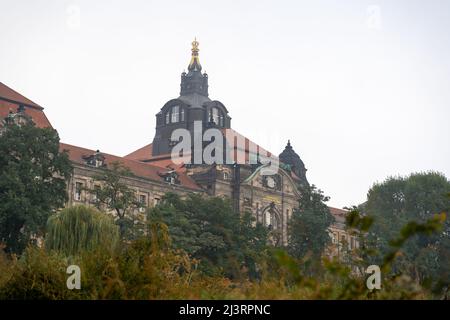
[10,100]
[241,152]
[8,94]
[139,169]
[339,216]
[38,116]
[337,212]
[141,154]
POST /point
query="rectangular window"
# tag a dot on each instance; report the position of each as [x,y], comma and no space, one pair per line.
[78,190]
[95,194]
[143,202]
[215,115]
[167,117]
[175,114]
[182,114]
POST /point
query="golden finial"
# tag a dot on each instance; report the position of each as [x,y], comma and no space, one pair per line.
[195,62]
[195,45]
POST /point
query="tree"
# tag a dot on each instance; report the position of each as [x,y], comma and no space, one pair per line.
[114,194]
[210,231]
[79,228]
[33,176]
[415,198]
[308,227]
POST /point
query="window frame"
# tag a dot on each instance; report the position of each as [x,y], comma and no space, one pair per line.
[78,192]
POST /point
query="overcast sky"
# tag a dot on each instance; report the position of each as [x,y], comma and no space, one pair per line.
[362,88]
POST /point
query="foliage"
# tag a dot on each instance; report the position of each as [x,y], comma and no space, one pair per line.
[80,228]
[112,193]
[410,201]
[33,175]
[149,268]
[210,231]
[37,275]
[308,226]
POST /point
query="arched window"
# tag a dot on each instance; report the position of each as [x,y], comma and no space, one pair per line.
[268,218]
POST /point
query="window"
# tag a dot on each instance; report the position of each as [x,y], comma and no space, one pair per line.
[143,199]
[168,117]
[142,202]
[175,114]
[182,114]
[215,116]
[95,194]
[268,219]
[334,238]
[78,190]
[225,176]
[156,201]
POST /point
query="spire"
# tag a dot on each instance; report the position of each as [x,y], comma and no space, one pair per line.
[195,65]
[288,146]
[194,81]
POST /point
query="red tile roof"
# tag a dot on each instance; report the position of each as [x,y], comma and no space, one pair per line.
[6,93]
[164,160]
[140,169]
[11,100]
[337,212]
[141,154]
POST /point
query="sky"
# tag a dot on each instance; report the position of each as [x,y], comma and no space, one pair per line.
[361,88]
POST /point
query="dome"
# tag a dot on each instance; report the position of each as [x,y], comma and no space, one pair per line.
[291,158]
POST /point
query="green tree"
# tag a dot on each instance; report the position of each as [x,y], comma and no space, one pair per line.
[210,231]
[413,199]
[33,176]
[113,194]
[308,227]
[80,228]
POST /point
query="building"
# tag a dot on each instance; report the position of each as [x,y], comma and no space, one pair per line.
[240,176]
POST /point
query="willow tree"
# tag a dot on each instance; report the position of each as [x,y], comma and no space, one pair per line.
[81,228]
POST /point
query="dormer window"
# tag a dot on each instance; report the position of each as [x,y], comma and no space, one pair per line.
[182,114]
[170,177]
[167,117]
[175,114]
[216,116]
[95,160]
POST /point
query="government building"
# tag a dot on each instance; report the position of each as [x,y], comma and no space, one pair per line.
[240,177]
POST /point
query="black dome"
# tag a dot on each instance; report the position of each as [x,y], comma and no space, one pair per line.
[291,158]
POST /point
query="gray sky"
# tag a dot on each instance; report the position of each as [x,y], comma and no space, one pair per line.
[362,88]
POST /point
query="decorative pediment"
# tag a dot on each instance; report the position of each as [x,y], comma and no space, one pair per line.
[276,182]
